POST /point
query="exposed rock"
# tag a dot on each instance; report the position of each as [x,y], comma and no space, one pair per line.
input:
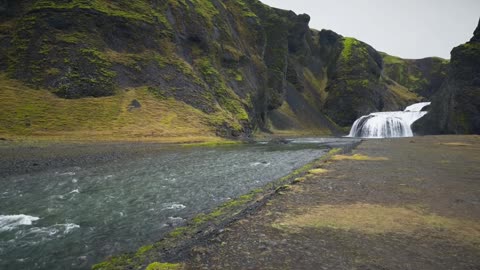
[455,108]
[135,104]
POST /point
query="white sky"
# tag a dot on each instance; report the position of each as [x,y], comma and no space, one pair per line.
[405,28]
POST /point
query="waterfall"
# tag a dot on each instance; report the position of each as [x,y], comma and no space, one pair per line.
[388,124]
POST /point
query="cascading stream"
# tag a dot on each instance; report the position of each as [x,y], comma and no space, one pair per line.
[388,124]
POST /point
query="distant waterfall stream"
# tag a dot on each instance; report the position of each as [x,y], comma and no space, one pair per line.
[388,124]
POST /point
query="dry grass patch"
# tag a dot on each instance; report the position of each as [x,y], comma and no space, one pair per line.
[37,113]
[358,157]
[317,171]
[299,180]
[456,144]
[378,219]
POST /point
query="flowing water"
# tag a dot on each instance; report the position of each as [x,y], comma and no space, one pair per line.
[388,124]
[77,216]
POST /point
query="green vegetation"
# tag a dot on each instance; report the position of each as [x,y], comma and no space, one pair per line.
[355,84]
[390,60]
[318,84]
[349,45]
[106,118]
[206,9]
[52,71]
[299,128]
[225,96]
[415,76]
[164,266]
[136,10]
[358,157]
[317,171]
[378,219]
[141,251]
[71,38]
[245,9]
[404,93]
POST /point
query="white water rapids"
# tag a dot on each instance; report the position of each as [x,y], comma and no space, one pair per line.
[388,124]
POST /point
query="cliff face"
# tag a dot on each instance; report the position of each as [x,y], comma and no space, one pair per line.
[422,76]
[456,107]
[240,64]
[357,84]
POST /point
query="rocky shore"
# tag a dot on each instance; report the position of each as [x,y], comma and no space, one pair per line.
[408,203]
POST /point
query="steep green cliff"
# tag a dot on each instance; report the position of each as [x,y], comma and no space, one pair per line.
[456,107]
[237,66]
[422,76]
[357,85]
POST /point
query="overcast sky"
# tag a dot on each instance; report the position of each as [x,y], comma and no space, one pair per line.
[405,28]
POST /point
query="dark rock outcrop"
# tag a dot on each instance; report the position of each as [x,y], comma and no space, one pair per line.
[456,107]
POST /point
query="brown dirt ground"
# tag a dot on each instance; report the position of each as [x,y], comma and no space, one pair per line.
[409,203]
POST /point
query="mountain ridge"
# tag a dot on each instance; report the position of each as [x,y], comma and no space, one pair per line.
[242,67]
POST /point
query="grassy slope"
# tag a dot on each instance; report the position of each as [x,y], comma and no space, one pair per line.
[28,113]
[419,76]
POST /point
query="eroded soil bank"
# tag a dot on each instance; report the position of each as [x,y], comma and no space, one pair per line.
[410,203]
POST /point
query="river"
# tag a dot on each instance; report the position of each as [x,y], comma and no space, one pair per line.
[73,217]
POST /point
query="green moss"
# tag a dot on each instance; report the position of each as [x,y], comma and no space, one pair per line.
[94,55]
[348,45]
[185,68]
[71,38]
[390,60]
[137,10]
[355,84]
[358,157]
[45,48]
[206,9]
[141,251]
[101,62]
[208,71]
[115,263]
[413,78]
[233,52]
[52,71]
[244,9]
[164,266]
[177,232]
[225,96]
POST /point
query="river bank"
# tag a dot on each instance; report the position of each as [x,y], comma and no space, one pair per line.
[30,156]
[408,203]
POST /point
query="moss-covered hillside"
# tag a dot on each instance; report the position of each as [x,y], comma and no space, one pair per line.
[422,76]
[456,106]
[236,66]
